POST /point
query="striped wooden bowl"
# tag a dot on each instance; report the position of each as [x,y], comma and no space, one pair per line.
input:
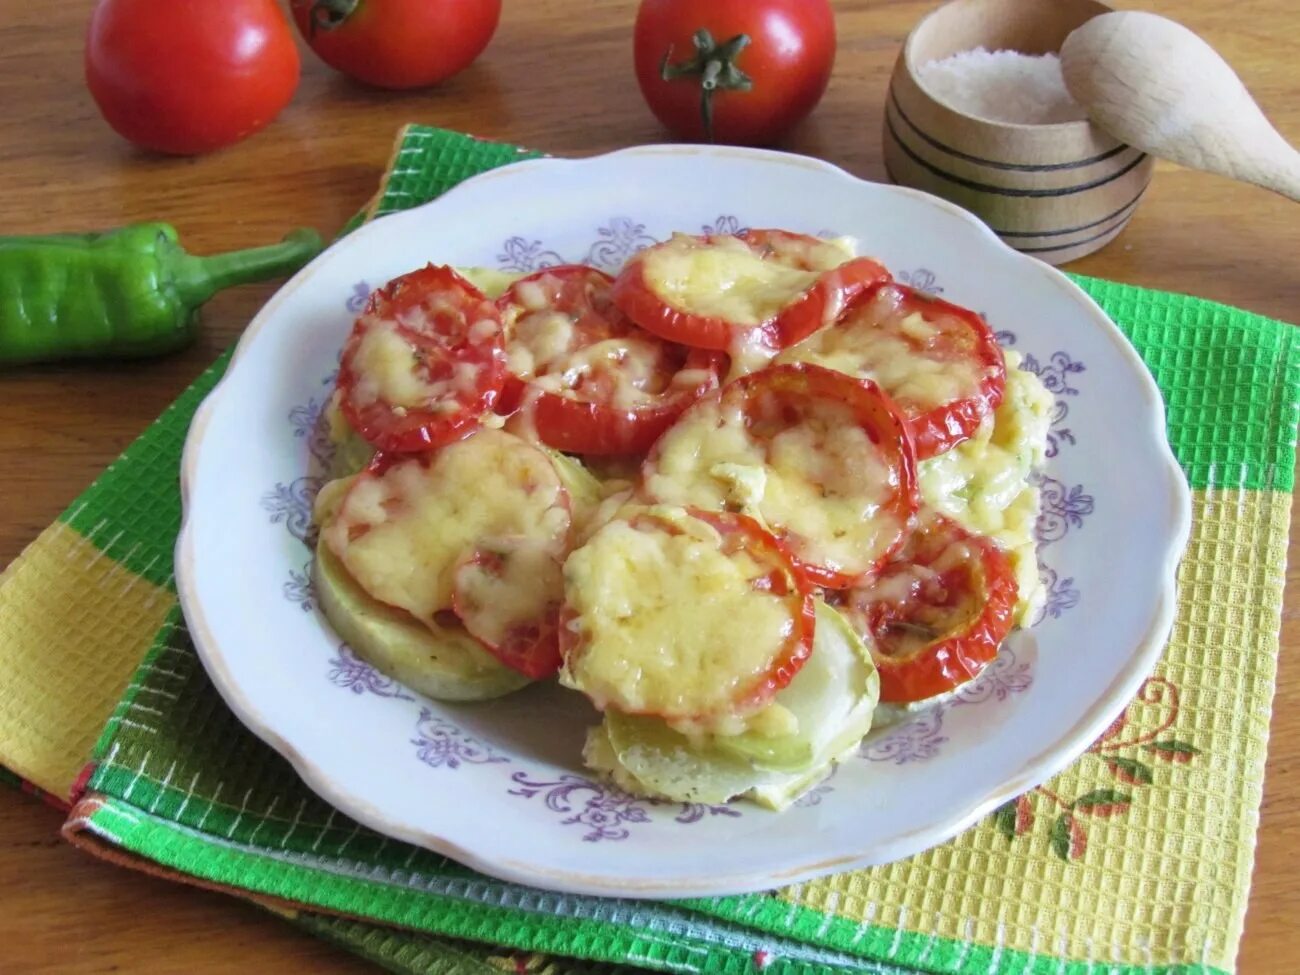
[1056,191]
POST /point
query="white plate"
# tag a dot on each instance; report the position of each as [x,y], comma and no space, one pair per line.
[500,786]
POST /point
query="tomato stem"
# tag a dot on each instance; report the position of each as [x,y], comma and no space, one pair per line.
[714,64]
[329,14]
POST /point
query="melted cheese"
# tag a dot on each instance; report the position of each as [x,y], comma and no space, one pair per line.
[513,582]
[388,370]
[490,281]
[401,535]
[440,312]
[546,346]
[634,367]
[748,352]
[817,255]
[351,452]
[723,279]
[627,372]
[328,499]
[821,481]
[668,623]
[538,339]
[909,356]
[532,296]
[982,483]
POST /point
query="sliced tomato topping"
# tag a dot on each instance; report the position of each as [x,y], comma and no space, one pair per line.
[693,616]
[583,378]
[837,286]
[825,461]
[934,616]
[407,523]
[762,289]
[507,594]
[939,362]
[424,361]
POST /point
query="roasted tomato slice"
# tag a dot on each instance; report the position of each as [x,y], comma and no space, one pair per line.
[825,461]
[837,286]
[758,291]
[507,594]
[937,613]
[407,523]
[939,362]
[583,378]
[697,617]
[424,361]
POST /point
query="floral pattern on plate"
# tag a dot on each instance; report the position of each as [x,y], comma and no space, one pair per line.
[301,588]
[604,810]
[616,241]
[523,256]
[919,738]
[439,743]
[350,672]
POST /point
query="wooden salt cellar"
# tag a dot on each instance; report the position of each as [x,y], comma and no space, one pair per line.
[1056,191]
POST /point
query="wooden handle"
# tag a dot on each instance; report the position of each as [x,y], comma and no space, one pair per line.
[1154,84]
[1278,170]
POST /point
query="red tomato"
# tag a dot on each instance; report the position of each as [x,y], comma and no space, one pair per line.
[935,615]
[640,297]
[585,379]
[773,574]
[845,502]
[738,71]
[424,361]
[189,76]
[397,43]
[821,304]
[878,339]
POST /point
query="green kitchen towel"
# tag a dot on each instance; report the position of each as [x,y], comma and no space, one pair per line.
[1136,859]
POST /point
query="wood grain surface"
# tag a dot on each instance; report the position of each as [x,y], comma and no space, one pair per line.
[558,77]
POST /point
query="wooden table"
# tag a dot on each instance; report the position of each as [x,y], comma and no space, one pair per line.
[557,76]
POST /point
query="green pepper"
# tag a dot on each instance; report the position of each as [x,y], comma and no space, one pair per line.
[121,294]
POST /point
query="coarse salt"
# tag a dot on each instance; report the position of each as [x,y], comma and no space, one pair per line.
[1002,86]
